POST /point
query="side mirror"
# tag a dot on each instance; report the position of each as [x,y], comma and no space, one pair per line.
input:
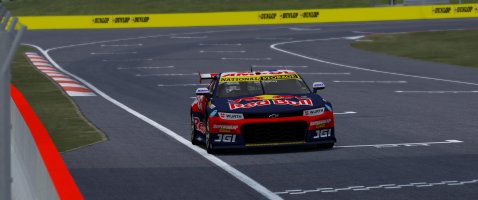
[318,86]
[203,91]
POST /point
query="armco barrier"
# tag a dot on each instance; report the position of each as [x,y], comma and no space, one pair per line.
[252,17]
[37,167]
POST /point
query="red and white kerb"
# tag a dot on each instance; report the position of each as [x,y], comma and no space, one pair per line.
[72,87]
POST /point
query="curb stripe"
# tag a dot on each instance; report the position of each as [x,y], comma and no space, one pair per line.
[65,186]
[70,86]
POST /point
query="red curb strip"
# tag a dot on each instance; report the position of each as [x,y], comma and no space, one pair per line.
[74,89]
[63,182]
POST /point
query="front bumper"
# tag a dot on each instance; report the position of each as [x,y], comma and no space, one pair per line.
[286,131]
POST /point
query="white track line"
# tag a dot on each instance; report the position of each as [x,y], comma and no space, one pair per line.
[163,67]
[218,162]
[370,81]
[274,46]
[345,113]
[438,92]
[121,45]
[402,144]
[188,37]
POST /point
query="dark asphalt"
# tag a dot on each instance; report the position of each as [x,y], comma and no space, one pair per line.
[140,162]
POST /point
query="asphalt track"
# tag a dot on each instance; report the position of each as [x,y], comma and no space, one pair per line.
[407,104]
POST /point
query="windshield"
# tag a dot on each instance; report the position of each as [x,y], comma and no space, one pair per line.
[254,88]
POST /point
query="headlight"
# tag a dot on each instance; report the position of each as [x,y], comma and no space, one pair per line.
[231,116]
[314,112]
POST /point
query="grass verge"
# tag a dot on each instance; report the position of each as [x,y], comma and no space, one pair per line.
[67,127]
[88,7]
[452,47]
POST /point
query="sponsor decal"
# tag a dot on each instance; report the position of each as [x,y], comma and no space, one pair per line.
[230,127]
[288,15]
[231,116]
[266,100]
[258,78]
[323,133]
[465,9]
[211,106]
[320,124]
[314,112]
[120,20]
[233,106]
[228,138]
[442,10]
[200,126]
[278,72]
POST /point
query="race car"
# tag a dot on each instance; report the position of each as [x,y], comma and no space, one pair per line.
[258,109]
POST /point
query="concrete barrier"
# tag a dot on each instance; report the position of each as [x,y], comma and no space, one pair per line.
[252,17]
[38,171]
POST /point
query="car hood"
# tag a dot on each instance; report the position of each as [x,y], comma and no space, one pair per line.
[267,103]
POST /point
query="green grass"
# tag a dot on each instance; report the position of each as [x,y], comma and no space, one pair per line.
[88,7]
[452,47]
[66,126]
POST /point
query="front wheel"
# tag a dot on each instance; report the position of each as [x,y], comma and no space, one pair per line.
[209,147]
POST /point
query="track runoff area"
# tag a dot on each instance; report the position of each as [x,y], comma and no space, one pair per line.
[405,128]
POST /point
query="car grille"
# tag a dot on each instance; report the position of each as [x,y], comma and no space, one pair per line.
[259,133]
[267,115]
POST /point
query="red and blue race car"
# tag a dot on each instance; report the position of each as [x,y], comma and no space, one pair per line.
[260,108]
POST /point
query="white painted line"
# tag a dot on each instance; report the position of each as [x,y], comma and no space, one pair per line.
[278,66]
[438,92]
[213,159]
[274,46]
[402,144]
[128,60]
[71,85]
[46,68]
[345,113]
[113,53]
[325,73]
[183,85]
[121,45]
[204,51]
[80,94]
[163,67]
[246,58]
[370,81]
[273,38]
[305,29]
[238,44]
[354,37]
[384,186]
[188,37]
[192,74]
[38,60]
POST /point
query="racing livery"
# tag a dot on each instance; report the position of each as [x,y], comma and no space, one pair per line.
[260,108]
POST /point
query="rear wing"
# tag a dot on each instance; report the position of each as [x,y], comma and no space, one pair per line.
[207,76]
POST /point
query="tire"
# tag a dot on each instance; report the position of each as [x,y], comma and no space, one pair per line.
[209,147]
[194,141]
[326,145]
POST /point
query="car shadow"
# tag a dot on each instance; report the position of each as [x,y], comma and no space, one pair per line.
[270,150]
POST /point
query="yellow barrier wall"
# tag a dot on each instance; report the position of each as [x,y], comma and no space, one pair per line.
[251,17]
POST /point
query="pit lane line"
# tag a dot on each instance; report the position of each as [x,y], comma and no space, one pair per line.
[274,46]
[213,159]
